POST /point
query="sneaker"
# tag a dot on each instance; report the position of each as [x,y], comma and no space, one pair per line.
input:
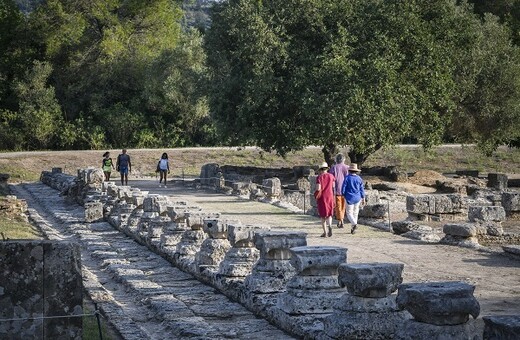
[353,230]
[160,185]
[330,231]
[165,186]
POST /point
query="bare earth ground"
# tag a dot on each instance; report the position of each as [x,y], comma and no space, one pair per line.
[496,277]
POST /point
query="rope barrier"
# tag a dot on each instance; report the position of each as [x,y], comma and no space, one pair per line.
[96,313]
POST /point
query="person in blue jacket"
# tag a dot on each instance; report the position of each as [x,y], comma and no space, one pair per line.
[354,192]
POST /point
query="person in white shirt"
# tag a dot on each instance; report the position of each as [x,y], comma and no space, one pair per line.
[163,168]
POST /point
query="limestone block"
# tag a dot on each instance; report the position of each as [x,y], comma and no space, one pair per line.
[212,251]
[24,266]
[297,302]
[460,229]
[217,228]
[423,233]
[412,330]
[272,187]
[449,204]
[138,199]
[93,212]
[374,211]
[418,204]
[208,172]
[317,282]
[240,235]
[511,202]
[56,170]
[276,244]
[401,227]
[266,282]
[190,242]
[501,327]
[195,220]
[497,181]
[460,241]
[372,197]
[155,227]
[178,212]
[353,325]
[155,203]
[375,280]
[358,304]
[318,260]
[439,303]
[486,213]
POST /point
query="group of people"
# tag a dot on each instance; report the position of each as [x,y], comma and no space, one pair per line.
[339,191]
[124,166]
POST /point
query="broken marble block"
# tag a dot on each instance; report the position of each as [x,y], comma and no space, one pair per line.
[439,303]
[500,327]
[315,287]
[272,271]
[214,248]
[93,211]
[239,260]
[486,213]
[369,310]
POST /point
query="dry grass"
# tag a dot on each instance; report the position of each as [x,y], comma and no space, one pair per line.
[27,166]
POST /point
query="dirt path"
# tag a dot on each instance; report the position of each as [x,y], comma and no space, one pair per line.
[496,277]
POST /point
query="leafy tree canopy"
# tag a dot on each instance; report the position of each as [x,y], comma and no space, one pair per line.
[363,73]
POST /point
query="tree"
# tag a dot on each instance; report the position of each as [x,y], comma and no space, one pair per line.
[363,73]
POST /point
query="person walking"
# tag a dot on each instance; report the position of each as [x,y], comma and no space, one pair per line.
[339,170]
[107,165]
[324,195]
[124,166]
[354,192]
[163,167]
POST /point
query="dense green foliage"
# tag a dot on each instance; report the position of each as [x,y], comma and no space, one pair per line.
[98,73]
[281,75]
[364,73]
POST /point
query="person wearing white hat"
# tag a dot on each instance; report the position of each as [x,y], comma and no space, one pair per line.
[324,195]
[354,192]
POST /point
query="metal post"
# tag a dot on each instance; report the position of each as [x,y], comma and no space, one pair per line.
[389,221]
[304,201]
[96,311]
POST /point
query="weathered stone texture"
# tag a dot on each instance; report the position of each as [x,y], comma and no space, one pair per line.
[502,327]
[511,202]
[371,280]
[497,181]
[439,303]
[40,278]
[486,213]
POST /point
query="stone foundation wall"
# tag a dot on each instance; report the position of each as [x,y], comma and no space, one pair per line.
[306,291]
[40,279]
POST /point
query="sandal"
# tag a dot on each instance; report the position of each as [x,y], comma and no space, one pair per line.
[340,225]
[323,235]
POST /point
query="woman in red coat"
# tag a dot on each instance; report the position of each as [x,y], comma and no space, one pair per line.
[325,198]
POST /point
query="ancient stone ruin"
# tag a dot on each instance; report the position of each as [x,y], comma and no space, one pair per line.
[40,290]
[310,292]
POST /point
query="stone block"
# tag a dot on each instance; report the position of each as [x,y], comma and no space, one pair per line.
[512,249]
[511,202]
[439,303]
[240,235]
[40,278]
[462,229]
[272,187]
[486,213]
[308,301]
[412,330]
[501,327]
[418,204]
[497,181]
[374,211]
[373,280]
[401,227]
[93,212]
[276,244]
[318,260]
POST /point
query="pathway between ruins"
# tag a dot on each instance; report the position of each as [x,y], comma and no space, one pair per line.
[496,276]
[142,294]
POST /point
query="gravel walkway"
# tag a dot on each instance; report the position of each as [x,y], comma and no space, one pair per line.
[496,276]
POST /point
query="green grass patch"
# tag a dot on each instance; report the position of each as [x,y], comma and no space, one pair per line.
[90,325]
[17,229]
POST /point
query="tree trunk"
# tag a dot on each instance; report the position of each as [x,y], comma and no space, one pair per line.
[360,157]
[330,150]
